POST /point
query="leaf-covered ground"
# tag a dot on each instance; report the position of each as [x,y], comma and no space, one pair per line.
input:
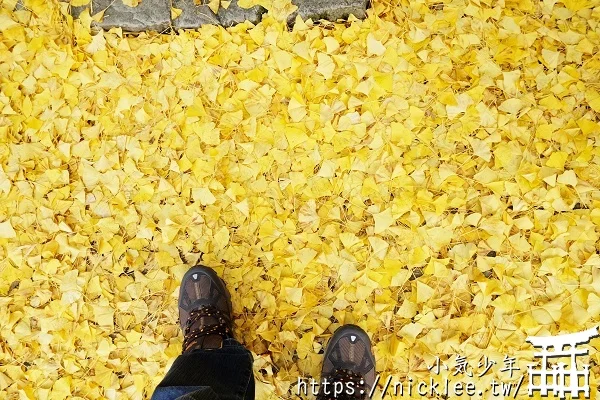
[430,173]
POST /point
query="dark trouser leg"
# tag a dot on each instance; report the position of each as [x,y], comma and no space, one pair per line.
[219,374]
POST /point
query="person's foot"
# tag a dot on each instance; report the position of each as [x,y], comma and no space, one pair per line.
[349,360]
[204,310]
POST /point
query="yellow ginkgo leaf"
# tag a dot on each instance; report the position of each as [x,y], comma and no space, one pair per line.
[512,106]
[175,12]
[383,220]
[576,5]
[325,66]
[557,160]
[374,46]
[593,99]
[567,178]
[214,5]
[132,3]
[6,22]
[296,110]
[547,313]
[550,58]
[247,3]
[305,345]
[424,292]
[204,196]
[593,301]
[79,3]
[98,43]
[6,230]
[447,98]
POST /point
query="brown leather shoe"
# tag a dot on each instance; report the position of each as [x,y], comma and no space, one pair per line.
[350,363]
[204,310]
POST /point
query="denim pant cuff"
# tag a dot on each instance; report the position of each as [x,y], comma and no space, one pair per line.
[227,372]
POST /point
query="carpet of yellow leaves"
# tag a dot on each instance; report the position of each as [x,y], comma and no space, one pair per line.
[430,173]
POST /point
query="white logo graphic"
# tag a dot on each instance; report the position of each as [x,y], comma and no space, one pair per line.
[562,378]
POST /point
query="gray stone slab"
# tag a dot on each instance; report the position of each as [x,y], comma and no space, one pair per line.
[149,15]
[155,15]
[329,10]
[234,14]
[193,16]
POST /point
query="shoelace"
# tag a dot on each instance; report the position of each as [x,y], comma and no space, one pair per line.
[221,327]
[347,377]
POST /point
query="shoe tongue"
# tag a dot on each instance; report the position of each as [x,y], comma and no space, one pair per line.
[212,341]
